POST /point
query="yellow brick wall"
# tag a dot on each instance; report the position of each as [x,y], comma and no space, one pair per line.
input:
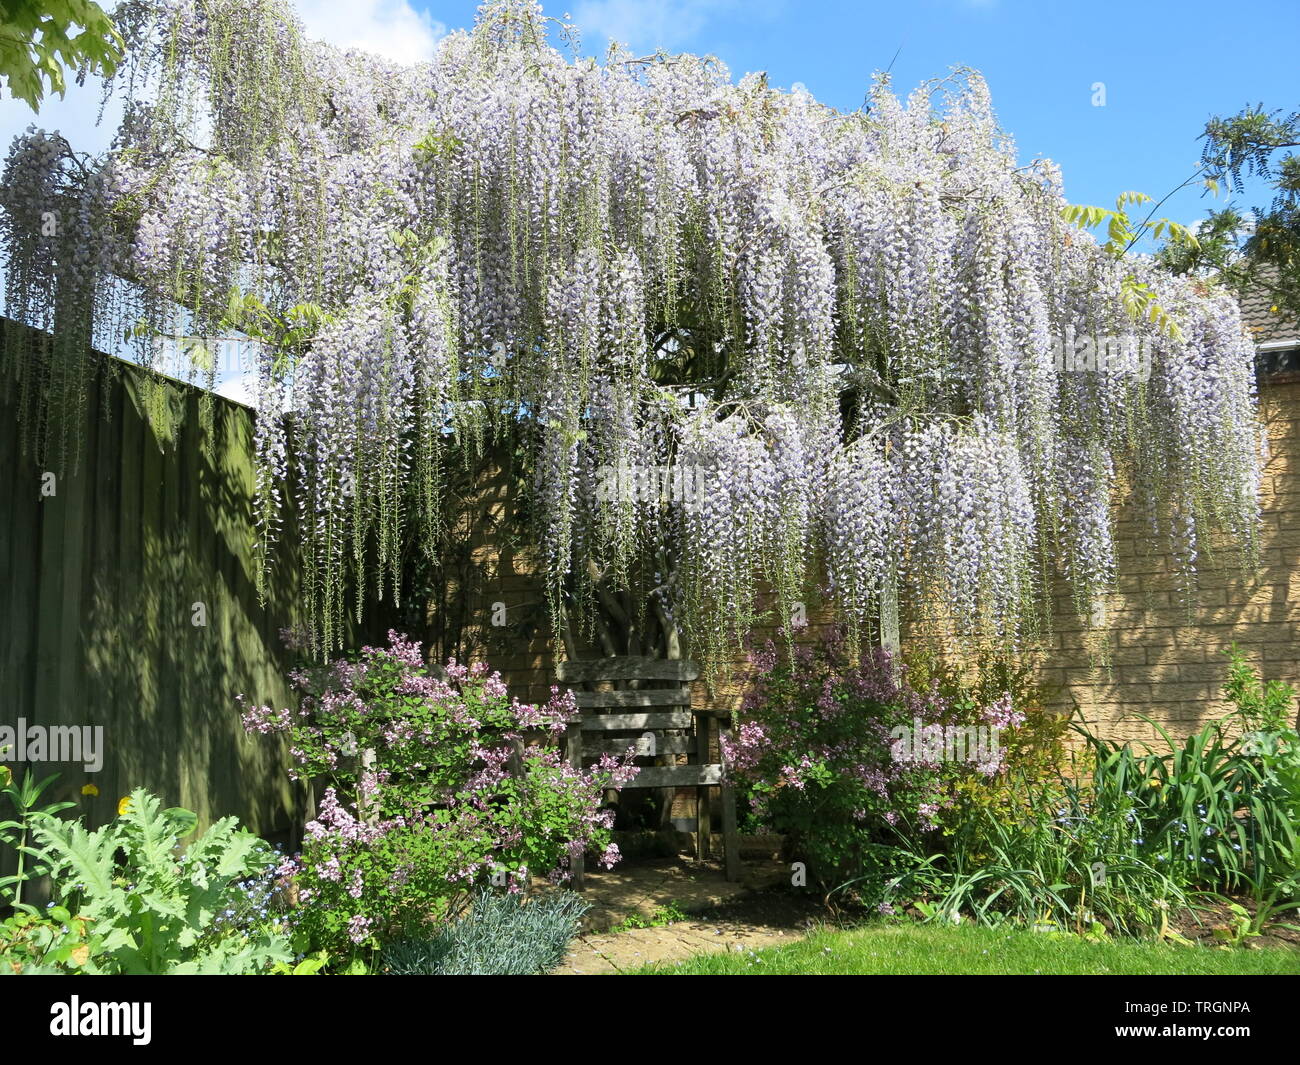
[1166,658]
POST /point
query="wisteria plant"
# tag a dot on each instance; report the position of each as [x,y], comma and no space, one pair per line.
[846,328]
[435,781]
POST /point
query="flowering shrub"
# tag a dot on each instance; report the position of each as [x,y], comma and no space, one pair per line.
[846,757]
[857,764]
[853,761]
[433,784]
[1111,839]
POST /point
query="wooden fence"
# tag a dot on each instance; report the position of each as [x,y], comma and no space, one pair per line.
[127,596]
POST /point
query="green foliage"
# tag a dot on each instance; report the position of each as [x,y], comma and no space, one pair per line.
[662,916]
[1240,926]
[24,796]
[502,935]
[439,143]
[38,39]
[56,942]
[1122,233]
[1259,706]
[1219,810]
[1182,802]
[1256,251]
[1061,862]
[153,910]
[285,334]
[1271,743]
[312,965]
[1247,143]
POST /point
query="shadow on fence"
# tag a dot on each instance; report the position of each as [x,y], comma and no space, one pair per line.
[127,593]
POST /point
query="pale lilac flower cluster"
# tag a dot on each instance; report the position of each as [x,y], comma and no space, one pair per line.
[1002,714]
[359,928]
[264,719]
[334,821]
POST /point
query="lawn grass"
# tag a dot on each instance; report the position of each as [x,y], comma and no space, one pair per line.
[912,950]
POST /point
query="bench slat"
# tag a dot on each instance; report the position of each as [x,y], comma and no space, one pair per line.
[627,668]
[594,746]
[676,776]
[623,722]
[666,697]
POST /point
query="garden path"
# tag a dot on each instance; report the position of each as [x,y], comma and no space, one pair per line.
[718,915]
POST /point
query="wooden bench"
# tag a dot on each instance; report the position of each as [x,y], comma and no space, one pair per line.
[659,723]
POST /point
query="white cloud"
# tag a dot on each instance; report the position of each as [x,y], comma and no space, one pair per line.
[391,28]
[646,25]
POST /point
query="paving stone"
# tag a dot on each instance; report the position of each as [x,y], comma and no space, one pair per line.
[648,888]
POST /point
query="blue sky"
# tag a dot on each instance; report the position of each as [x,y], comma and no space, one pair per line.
[1166,65]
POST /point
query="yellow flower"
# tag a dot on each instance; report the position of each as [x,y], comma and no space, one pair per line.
[1153,783]
[123,804]
[89,789]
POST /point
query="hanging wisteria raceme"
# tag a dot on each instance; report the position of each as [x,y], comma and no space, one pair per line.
[860,531]
[754,344]
[965,520]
